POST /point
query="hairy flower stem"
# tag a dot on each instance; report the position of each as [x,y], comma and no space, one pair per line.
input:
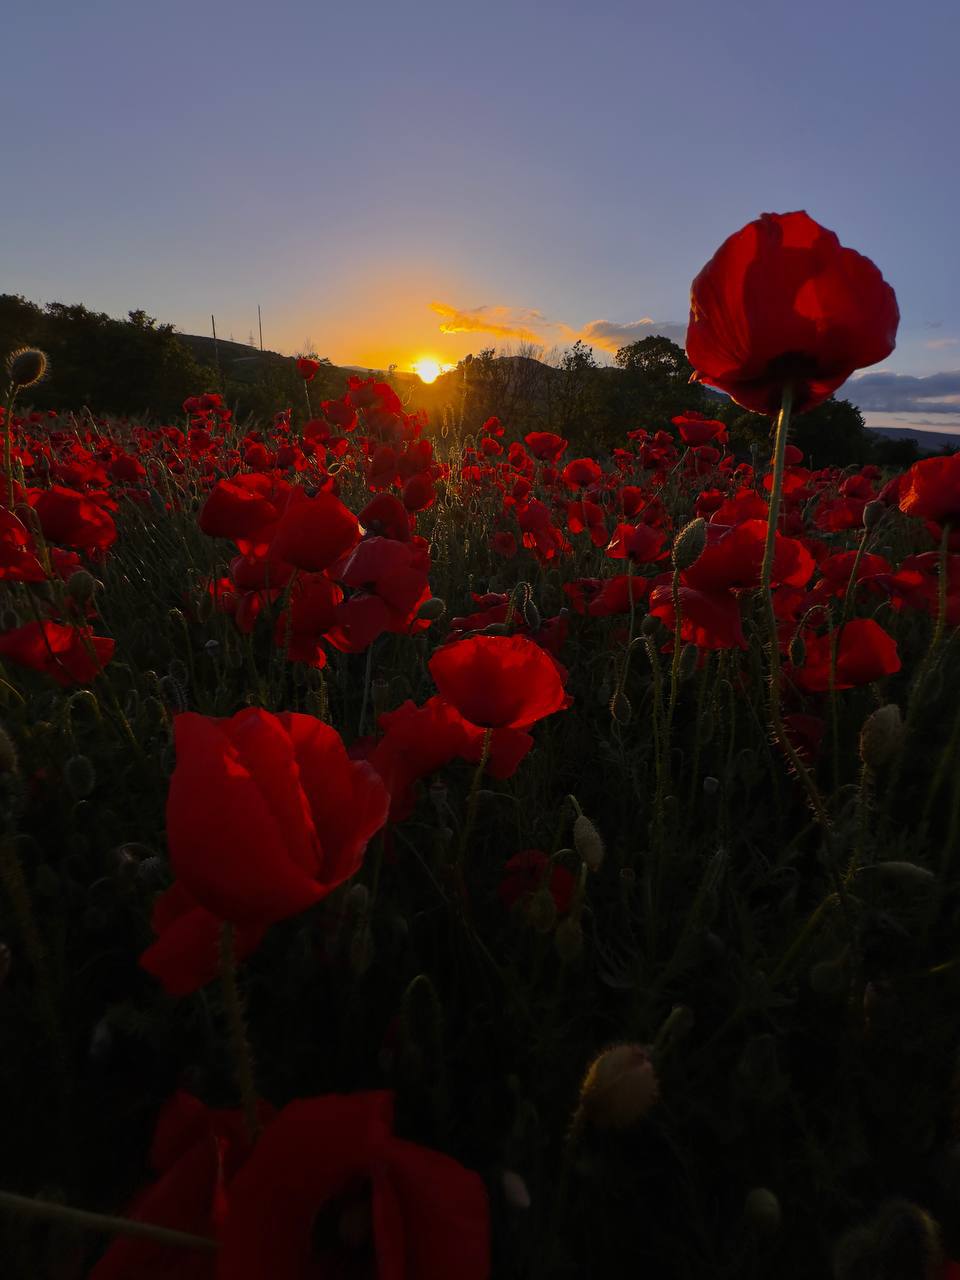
[107,1224]
[236,1023]
[8,443]
[675,664]
[15,884]
[474,798]
[775,709]
[368,672]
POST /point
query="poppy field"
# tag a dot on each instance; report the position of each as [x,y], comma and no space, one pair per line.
[430,853]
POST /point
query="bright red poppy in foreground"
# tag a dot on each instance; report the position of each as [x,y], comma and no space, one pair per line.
[782,301]
[266,814]
[330,1191]
[931,489]
[498,682]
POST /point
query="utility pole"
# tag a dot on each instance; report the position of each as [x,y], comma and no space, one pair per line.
[216,352]
[260,323]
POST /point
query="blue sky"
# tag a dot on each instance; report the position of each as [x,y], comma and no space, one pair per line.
[371,172]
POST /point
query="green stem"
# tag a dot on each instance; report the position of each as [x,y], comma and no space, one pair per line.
[8,443]
[236,1023]
[108,1224]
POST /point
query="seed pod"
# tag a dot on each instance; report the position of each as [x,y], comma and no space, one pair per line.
[588,842]
[212,648]
[27,367]
[761,1208]
[619,1088]
[80,776]
[689,544]
[652,627]
[905,873]
[881,736]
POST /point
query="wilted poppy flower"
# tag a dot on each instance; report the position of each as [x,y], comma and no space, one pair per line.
[865,652]
[69,655]
[330,1191]
[498,681]
[783,302]
[267,814]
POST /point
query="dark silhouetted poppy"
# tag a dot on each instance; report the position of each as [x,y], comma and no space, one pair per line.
[69,655]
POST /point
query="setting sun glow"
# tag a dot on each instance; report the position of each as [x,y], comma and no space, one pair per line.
[428,370]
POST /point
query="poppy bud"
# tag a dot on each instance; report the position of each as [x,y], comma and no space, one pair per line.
[80,776]
[152,872]
[761,1208]
[881,736]
[542,910]
[515,1190]
[620,707]
[173,693]
[798,650]
[619,1088]
[588,842]
[26,367]
[211,648]
[652,627]
[531,615]
[873,513]
[711,785]
[81,586]
[905,873]
[493,629]
[901,1242]
[568,940]
[357,899]
[708,724]
[432,609]
[9,620]
[689,544]
[361,951]
[689,657]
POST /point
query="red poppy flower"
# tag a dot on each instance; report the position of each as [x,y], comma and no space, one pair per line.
[526,871]
[74,519]
[195,1154]
[69,655]
[307,368]
[329,1190]
[498,681]
[244,508]
[267,814]
[638,543]
[186,953]
[782,301]
[735,560]
[545,445]
[709,619]
[390,581]
[865,652]
[695,429]
[313,533]
[931,489]
[504,544]
[17,560]
[581,473]
[418,492]
[387,516]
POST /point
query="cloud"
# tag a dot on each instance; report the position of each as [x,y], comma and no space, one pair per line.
[530,325]
[611,336]
[940,344]
[504,322]
[904,393]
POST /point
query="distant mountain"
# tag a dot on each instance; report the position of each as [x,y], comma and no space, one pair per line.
[931,441]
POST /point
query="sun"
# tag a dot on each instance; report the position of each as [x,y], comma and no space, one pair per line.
[428,369]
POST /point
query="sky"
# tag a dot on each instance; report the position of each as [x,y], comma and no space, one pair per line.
[396,181]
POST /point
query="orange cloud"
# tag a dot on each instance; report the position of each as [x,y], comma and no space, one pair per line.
[529,325]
